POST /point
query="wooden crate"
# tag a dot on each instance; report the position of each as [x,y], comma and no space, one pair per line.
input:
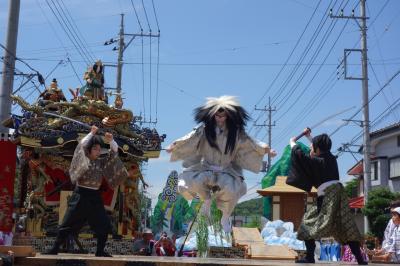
[238,252]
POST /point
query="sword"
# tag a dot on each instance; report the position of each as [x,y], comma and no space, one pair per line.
[69,119]
[85,125]
[308,129]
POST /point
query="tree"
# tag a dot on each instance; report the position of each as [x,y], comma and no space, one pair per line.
[249,208]
[255,222]
[351,187]
[376,209]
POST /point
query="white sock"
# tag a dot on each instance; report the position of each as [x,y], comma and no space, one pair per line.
[206,208]
[226,224]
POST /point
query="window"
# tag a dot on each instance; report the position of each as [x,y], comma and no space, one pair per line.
[394,167]
[374,171]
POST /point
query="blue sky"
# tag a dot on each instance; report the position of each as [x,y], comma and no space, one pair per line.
[213,48]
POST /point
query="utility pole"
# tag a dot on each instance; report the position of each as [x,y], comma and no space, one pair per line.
[365,99]
[9,63]
[269,125]
[120,54]
[122,47]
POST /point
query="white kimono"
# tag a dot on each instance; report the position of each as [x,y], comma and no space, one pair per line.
[208,169]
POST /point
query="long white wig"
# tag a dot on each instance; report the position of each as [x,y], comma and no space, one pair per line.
[236,120]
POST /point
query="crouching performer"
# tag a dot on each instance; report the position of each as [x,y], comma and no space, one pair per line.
[331,216]
[214,155]
[85,204]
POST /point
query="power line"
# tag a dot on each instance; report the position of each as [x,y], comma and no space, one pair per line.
[147,18]
[302,56]
[73,68]
[311,80]
[58,38]
[313,58]
[155,15]
[69,30]
[137,17]
[290,54]
[381,56]
[158,67]
[82,38]
[18,59]
[395,116]
[297,121]
[359,110]
[143,87]
[150,67]
[307,107]
[375,122]
[66,31]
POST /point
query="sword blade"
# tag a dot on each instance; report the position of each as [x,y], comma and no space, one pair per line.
[69,119]
[331,116]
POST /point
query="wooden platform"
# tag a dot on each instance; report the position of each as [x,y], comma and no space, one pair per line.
[251,237]
[90,260]
[19,251]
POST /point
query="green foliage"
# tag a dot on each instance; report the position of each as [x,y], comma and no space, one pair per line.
[180,209]
[249,208]
[279,168]
[351,187]
[376,209]
[255,222]
[193,209]
[158,220]
[216,214]
[202,236]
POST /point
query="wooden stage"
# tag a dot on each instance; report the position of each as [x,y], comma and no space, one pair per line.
[118,260]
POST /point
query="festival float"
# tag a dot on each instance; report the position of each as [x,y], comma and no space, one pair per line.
[46,135]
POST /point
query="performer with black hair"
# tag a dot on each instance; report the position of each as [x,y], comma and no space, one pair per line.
[331,216]
[85,204]
[215,153]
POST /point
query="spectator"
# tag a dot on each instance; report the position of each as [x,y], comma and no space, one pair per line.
[7,259]
[390,226]
[390,250]
[144,246]
[164,246]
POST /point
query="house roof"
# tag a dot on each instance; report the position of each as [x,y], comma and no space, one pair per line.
[386,130]
[281,187]
[356,203]
[356,169]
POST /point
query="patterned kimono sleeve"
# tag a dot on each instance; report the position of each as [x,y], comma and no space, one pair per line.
[249,153]
[80,162]
[186,148]
[114,170]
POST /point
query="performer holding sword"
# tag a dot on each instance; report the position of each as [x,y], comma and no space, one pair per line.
[85,205]
[331,216]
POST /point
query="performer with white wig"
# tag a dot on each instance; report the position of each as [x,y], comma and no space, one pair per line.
[215,153]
